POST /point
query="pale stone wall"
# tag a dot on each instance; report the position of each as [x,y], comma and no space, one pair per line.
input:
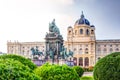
[24,48]
[105,47]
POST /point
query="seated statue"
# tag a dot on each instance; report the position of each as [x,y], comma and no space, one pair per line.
[53,27]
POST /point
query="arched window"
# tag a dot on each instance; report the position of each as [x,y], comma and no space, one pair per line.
[105,50]
[81,31]
[92,31]
[74,49]
[111,50]
[99,58]
[86,61]
[69,32]
[75,61]
[87,32]
[86,51]
[116,49]
[99,50]
[80,50]
[80,61]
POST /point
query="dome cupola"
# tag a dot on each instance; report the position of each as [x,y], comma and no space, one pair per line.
[82,20]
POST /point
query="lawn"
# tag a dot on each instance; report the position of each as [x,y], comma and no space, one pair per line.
[86,78]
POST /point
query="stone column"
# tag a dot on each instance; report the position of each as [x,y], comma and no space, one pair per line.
[83,62]
[77,61]
[89,61]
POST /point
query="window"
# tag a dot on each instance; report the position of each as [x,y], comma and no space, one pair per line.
[98,58]
[98,45]
[116,49]
[86,45]
[11,51]
[99,50]
[80,61]
[92,31]
[69,32]
[105,50]
[74,50]
[80,45]
[87,32]
[86,61]
[80,51]
[110,45]
[116,45]
[104,45]
[81,31]
[111,49]
[75,61]
[86,51]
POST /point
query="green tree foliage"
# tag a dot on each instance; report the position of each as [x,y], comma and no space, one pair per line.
[56,72]
[14,70]
[108,68]
[79,70]
[23,60]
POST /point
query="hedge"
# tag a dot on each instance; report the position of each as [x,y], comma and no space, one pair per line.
[108,68]
[56,72]
[23,60]
[14,70]
[79,70]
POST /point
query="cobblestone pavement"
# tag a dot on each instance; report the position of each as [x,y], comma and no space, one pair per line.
[88,74]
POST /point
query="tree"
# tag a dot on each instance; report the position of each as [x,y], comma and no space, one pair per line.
[56,72]
[21,59]
[79,70]
[108,68]
[11,69]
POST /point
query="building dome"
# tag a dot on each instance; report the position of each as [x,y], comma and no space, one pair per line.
[82,20]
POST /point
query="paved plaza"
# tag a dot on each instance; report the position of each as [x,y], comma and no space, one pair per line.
[88,74]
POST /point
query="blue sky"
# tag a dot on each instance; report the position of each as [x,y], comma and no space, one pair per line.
[28,20]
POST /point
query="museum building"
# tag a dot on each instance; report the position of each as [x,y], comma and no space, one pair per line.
[81,40]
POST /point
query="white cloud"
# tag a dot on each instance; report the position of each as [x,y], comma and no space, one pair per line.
[64,2]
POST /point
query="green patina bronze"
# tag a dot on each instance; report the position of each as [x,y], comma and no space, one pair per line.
[53,27]
[35,51]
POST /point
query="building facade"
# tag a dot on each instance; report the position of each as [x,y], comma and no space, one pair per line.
[24,48]
[81,40]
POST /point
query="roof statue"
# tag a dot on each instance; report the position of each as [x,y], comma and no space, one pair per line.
[53,27]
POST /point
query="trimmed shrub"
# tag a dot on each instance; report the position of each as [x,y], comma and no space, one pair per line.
[108,68]
[23,60]
[79,70]
[14,70]
[56,72]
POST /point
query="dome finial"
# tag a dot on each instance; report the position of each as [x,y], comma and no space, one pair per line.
[82,12]
[82,15]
